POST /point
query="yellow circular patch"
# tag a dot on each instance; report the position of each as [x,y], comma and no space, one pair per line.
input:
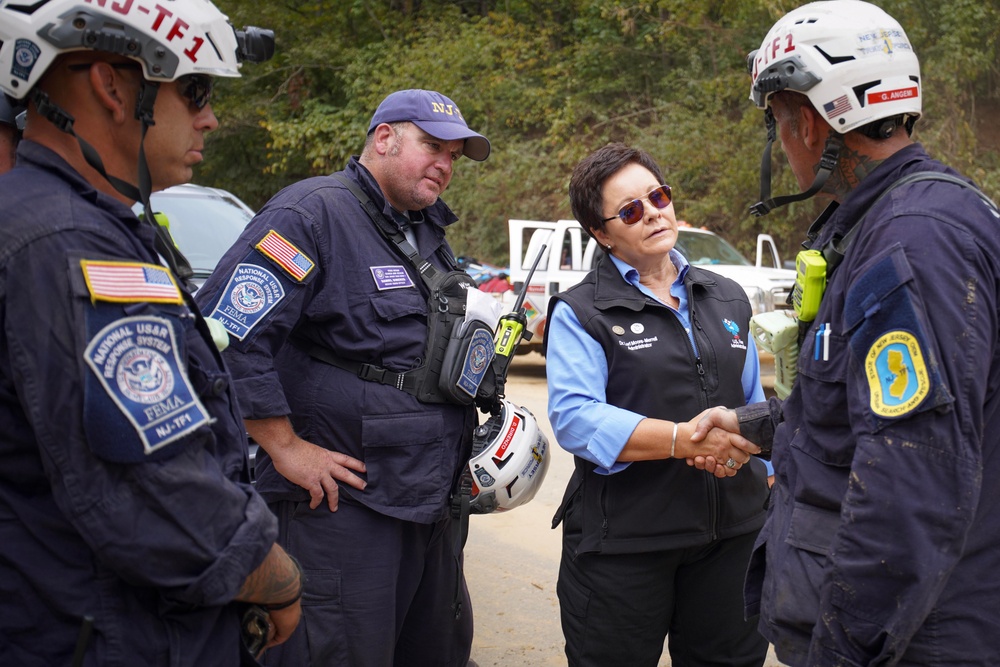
[897,374]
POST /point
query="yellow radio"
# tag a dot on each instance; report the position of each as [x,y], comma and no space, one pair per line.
[810,283]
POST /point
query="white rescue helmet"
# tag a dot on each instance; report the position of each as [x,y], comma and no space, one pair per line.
[170,39]
[850,58]
[510,456]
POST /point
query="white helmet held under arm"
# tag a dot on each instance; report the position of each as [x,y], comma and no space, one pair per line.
[850,58]
[510,456]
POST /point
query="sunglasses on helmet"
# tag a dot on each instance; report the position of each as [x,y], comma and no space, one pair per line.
[632,212]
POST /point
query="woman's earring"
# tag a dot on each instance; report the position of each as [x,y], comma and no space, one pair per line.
[608,247]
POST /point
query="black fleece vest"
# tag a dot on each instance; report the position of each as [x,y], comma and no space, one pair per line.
[654,371]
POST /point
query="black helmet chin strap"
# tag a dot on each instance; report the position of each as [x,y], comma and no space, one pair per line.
[164,243]
[827,163]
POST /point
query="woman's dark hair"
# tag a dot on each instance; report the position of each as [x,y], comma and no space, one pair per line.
[586,186]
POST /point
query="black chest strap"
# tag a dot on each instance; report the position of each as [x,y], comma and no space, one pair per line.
[411,381]
[835,250]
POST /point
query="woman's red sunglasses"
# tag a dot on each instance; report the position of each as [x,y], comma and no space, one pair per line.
[632,212]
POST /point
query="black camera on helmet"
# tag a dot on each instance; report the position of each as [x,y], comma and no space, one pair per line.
[254,44]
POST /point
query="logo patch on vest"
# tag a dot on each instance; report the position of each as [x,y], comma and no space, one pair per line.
[252,292]
[390,277]
[138,363]
[897,375]
[734,329]
[285,255]
[477,361]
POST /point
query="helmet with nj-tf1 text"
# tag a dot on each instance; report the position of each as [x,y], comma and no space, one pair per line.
[850,58]
[169,39]
[510,456]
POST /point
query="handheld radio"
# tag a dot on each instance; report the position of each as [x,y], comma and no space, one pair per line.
[810,283]
[511,327]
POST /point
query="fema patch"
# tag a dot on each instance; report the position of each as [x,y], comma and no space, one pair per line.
[734,330]
[390,277]
[26,55]
[897,375]
[251,293]
[138,364]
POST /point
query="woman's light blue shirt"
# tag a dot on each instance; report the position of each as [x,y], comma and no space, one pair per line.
[583,422]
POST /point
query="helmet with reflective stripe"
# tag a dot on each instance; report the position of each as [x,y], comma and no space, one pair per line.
[510,456]
[169,39]
[851,59]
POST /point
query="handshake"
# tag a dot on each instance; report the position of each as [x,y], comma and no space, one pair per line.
[711,441]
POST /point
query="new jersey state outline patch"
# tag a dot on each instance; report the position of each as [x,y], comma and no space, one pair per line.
[897,374]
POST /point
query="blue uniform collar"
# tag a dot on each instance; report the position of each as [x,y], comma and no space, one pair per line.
[858,201]
[37,156]
[610,292]
[439,213]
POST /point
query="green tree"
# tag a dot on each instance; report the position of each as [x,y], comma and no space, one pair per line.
[548,82]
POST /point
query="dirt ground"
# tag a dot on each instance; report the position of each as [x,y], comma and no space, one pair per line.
[512,558]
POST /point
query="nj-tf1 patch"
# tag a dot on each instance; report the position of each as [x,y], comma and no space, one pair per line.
[137,361]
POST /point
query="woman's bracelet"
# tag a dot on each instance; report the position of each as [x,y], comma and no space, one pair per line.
[673,441]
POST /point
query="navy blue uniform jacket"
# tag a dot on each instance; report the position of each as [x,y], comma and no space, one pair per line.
[882,545]
[312,265]
[124,491]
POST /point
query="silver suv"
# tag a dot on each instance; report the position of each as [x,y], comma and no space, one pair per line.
[204,222]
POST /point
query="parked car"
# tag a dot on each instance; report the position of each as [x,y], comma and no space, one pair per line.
[204,222]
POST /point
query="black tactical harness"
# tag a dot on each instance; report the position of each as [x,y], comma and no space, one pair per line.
[453,346]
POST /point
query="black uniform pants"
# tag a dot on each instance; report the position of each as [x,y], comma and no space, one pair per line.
[379,591]
[617,609]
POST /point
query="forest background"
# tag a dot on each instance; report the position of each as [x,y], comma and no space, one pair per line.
[548,81]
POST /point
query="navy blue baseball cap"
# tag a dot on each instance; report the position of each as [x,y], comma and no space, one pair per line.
[433,113]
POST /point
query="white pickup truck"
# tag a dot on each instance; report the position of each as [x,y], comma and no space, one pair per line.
[570,254]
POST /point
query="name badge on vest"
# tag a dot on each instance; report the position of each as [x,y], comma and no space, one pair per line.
[391,277]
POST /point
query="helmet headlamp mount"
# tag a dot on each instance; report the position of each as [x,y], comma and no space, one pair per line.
[254,45]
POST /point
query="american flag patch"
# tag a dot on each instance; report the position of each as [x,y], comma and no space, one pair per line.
[839,106]
[286,255]
[130,282]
